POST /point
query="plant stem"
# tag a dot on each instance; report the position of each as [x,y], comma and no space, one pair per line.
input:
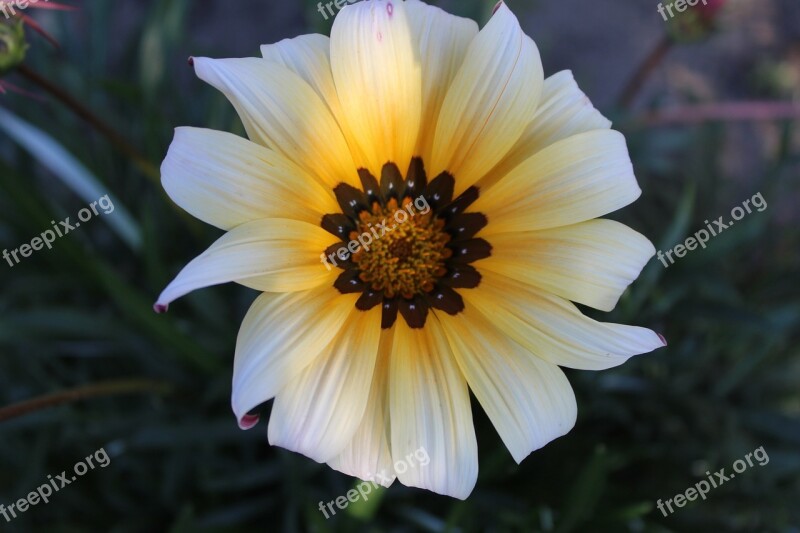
[723,111]
[650,64]
[117,140]
[108,388]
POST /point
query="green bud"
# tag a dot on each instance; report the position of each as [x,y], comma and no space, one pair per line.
[12,45]
[689,28]
[694,23]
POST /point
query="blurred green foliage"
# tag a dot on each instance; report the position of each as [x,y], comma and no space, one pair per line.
[81,314]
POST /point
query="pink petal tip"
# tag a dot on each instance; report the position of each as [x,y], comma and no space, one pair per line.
[160,308]
[660,336]
[248,422]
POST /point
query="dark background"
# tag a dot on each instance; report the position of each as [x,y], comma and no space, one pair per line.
[79,316]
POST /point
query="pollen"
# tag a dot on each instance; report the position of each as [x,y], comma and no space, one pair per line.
[410,257]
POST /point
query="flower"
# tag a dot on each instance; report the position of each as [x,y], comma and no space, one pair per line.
[14,11]
[698,22]
[373,360]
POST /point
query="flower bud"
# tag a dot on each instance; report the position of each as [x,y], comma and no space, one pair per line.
[12,45]
[696,22]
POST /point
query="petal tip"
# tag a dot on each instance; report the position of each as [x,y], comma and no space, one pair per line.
[663,339]
[160,308]
[248,422]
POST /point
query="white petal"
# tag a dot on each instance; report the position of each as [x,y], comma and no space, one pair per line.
[591,262]
[577,179]
[282,112]
[273,254]
[430,414]
[225,181]
[368,456]
[378,79]
[443,40]
[554,329]
[564,111]
[490,102]
[529,401]
[280,336]
[318,412]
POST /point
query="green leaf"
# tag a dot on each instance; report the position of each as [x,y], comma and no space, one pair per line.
[71,172]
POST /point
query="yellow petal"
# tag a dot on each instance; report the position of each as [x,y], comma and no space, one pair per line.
[271,254]
[554,329]
[368,456]
[590,263]
[430,413]
[563,112]
[529,401]
[309,56]
[280,336]
[577,179]
[282,112]
[443,40]
[490,102]
[378,80]
[225,181]
[318,412]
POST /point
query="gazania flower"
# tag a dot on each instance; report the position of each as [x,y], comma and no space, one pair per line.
[370,353]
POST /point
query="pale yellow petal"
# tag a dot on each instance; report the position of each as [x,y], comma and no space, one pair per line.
[225,181]
[582,177]
[490,102]
[529,401]
[431,415]
[564,111]
[282,112]
[554,329]
[309,56]
[318,412]
[280,336]
[443,40]
[271,254]
[368,456]
[591,262]
[378,80]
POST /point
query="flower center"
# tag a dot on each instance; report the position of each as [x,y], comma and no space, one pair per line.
[405,243]
[410,257]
